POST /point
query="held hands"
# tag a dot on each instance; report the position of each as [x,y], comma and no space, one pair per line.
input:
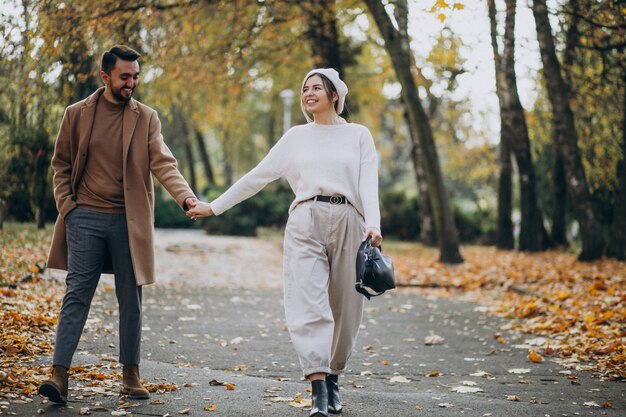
[377,238]
[198,209]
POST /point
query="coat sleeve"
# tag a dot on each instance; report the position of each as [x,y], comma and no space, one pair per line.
[62,168]
[163,165]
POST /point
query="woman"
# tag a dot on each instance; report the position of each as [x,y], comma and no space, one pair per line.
[331,166]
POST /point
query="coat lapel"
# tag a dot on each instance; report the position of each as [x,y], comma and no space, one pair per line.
[87,114]
[131,114]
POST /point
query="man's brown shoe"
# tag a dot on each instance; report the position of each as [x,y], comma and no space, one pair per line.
[131,385]
[55,388]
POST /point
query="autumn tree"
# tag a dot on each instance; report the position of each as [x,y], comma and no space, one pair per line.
[397,45]
[567,137]
[594,68]
[505,238]
[533,236]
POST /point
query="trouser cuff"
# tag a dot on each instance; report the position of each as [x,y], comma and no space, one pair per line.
[319,369]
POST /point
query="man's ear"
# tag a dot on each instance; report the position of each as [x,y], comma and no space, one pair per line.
[106,78]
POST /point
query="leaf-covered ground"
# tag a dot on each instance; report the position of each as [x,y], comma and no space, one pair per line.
[578,308]
[29,309]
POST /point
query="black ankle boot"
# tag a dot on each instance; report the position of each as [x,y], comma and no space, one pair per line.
[332,386]
[319,399]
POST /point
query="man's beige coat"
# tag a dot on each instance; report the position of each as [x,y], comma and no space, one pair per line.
[144,153]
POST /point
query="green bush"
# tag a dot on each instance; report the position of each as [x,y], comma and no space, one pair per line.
[167,214]
[268,208]
[476,227]
[399,215]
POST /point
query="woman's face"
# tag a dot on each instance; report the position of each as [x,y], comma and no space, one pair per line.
[315,97]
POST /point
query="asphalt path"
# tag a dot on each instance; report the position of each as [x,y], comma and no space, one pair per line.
[214,327]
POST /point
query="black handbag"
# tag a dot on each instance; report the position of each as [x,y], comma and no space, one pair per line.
[374,271]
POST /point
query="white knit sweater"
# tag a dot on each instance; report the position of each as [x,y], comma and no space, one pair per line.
[317,159]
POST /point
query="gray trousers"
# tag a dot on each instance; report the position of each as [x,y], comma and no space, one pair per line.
[322,308]
[91,238]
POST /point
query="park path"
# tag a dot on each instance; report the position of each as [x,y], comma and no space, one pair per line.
[216,317]
[191,257]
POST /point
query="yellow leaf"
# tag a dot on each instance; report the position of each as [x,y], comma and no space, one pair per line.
[458,6]
[229,386]
[534,356]
[210,408]
[441,17]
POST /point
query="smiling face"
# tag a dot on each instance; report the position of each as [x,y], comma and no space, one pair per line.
[316,99]
[122,80]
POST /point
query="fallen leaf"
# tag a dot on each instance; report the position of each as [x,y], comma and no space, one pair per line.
[433,340]
[481,374]
[466,390]
[513,398]
[519,371]
[210,408]
[399,378]
[534,356]
[185,411]
[445,405]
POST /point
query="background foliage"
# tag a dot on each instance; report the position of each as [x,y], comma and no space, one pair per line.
[214,71]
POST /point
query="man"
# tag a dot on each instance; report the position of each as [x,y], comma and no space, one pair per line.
[107,148]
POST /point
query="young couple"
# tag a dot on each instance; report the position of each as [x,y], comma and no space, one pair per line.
[107,148]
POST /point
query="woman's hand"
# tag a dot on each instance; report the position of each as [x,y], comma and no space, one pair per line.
[200,209]
[377,238]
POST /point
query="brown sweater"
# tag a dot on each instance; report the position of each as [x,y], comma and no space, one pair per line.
[102,186]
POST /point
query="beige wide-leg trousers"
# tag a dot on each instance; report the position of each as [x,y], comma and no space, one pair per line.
[322,308]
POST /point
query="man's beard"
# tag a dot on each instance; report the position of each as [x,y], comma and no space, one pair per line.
[117,94]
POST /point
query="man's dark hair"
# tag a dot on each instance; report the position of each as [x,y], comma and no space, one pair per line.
[118,52]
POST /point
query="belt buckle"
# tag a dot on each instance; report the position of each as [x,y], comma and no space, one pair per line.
[335,199]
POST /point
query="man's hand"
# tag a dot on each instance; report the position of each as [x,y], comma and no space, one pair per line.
[190,202]
[199,209]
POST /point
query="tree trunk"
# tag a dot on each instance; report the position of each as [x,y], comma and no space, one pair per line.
[617,240]
[181,125]
[533,236]
[322,36]
[3,212]
[559,204]
[397,45]
[322,33]
[193,181]
[567,138]
[428,234]
[204,157]
[505,238]
[559,186]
